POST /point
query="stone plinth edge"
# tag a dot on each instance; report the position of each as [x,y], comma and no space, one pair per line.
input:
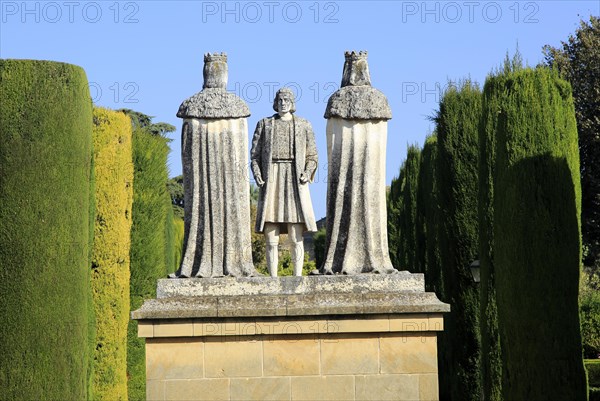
[227,286]
[290,305]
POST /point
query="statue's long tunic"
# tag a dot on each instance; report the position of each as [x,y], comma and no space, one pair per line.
[356,205]
[217,205]
[303,154]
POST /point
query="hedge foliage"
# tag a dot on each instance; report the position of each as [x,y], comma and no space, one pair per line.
[589,304]
[394,208]
[45,192]
[151,248]
[457,169]
[491,356]
[178,228]
[408,211]
[428,217]
[537,238]
[110,258]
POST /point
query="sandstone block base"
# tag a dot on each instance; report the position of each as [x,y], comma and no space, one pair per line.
[308,350]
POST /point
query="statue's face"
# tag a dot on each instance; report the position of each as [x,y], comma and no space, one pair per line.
[284,104]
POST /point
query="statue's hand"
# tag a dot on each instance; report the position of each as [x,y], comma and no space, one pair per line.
[303,178]
[259,182]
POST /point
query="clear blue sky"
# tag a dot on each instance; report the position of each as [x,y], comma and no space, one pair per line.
[148,55]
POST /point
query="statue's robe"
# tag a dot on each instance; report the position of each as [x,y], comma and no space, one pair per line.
[216,184]
[357,239]
[305,161]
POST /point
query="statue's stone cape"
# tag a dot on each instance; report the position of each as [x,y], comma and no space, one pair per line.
[357,117]
[213,103]
[214,154]
[358,102]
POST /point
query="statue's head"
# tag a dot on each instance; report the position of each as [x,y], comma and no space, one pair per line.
[356,69]
[215,70]
[285,93]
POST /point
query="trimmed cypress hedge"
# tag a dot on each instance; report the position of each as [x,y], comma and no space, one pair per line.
[457,130]
[491,357]
[45,181]
[178,227]
[394,207]
[150,249]
[428,217]
[537,238]
[110,258]
[408,211]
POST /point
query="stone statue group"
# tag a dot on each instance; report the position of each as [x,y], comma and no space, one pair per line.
[283,161]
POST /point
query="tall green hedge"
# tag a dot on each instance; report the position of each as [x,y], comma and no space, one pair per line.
[151,248]
[428,217]
[491,357]
[178,227]
[537,238]
[408,211]
[394,208]
[110,258]
[457,129]
[45,185]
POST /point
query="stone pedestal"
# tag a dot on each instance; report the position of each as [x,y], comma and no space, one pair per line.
[365,337]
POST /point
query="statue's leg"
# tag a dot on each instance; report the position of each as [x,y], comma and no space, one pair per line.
[295,232]
[271,231]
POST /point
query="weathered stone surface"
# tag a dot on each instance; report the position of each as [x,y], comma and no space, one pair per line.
[338,284]
[292,356]
[290,305]
[409,353]
[284,160]
[197,390]
[358,103]
[214,103]
[322,388]
[261,389]
[356,149]
[350,354]
[230,358]
[357,100]
[174,358]
[290,326]
[388,387]
[215,179]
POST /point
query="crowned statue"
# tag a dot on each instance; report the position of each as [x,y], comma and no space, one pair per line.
[357,115]
[215,178]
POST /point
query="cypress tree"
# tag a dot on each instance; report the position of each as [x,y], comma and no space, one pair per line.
[537,238]
[428,217]
[45,192]
[149,242]
[491,358]
[457,128]
[394,207]
[110,258]
[408,211]
[178,241]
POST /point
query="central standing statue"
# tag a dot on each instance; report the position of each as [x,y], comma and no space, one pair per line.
[284,161]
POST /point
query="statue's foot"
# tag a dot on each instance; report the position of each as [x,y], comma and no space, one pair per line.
[175,275]
[314,272]
[385,270]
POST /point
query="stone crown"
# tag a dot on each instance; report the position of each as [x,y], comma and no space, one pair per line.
[353,55]
[215,57]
